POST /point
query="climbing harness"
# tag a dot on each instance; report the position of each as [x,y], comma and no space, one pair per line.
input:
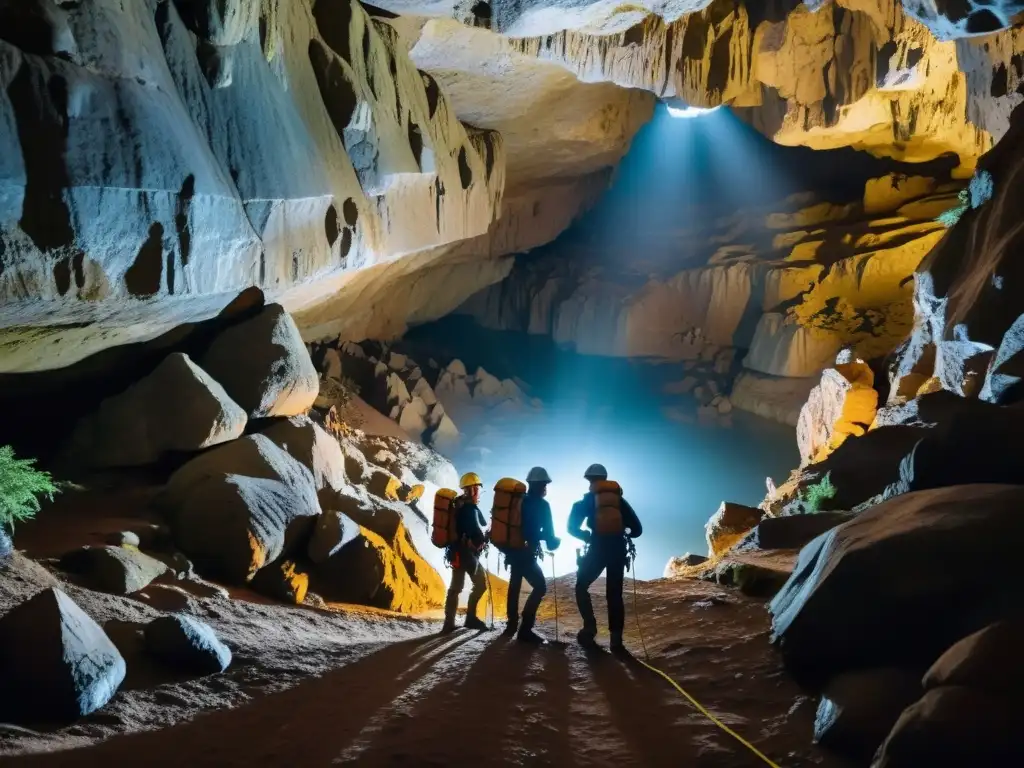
[554,587]
[631,555]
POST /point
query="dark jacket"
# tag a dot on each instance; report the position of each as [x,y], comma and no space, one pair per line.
[469,522]
[583,511]
[538,524]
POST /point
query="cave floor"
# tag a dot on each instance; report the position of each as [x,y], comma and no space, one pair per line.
[316,688]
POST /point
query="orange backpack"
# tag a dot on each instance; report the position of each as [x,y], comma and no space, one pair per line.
[608,518]
[444,531]
[507,514]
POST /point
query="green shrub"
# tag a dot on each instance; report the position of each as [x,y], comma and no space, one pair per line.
[20,486]
[814,496]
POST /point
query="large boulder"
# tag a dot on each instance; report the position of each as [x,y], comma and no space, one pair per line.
[890,588]
[333,531]
[858,709]
[315,449]
[117,570]
[989,660]
[955,726]
[386,573]
[264,366]
[794,531]
[178,407]
[55,661]
[241,506]
[679,566]
[728,525]
[283,581]
[187,644]
[842,405]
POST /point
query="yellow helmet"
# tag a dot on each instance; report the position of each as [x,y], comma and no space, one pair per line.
[470,479]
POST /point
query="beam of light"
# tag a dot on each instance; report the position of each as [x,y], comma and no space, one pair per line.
[689,112]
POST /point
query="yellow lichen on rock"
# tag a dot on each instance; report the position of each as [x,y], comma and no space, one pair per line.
[843,404]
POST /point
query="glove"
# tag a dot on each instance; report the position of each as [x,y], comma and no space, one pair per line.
[554,543]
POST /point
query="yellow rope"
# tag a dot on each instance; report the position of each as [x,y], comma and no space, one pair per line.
[699,707]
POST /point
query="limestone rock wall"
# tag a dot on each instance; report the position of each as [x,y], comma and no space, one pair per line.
[787,290]
[909,83]
[160,156]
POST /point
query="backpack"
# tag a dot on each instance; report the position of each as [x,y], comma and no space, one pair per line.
[507,515]
[444,531]
[608,517]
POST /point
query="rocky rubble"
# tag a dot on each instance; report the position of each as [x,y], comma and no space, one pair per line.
[420,399]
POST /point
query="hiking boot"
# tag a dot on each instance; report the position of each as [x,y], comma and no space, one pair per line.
[587,638]
[510,629]
[527,635]
[616,646]
[472,622]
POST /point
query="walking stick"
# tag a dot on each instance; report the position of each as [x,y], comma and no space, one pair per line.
[554,585]
[490,594]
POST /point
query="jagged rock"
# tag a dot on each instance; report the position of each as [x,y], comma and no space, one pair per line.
[678,565]
[315,449]
[282,581]
[413,418]
[753,579]
[841,406]
[446,436]
[370,570]
[62,665]
[117,570]
[988,660]
[264,366]
[240,506]
[187,644]
[333,531]
[954,726]
[332,364]
[457,368]
[838,610]
[423,391]
[858,709]
[397,362]
[728,525]
[178,407]
[794,531]
[398,393]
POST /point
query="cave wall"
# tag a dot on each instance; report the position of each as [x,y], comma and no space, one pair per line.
[910,82]
[158,157]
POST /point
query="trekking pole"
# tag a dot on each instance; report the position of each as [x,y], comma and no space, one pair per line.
[554,586]
[490,594]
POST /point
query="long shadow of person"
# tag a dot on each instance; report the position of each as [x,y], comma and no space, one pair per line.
[641,712]
[306,725]
[459,715]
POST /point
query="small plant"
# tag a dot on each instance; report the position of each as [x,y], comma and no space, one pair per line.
[976,194]
[813,496]
[20,486]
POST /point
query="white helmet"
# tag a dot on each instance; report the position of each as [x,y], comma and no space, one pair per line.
[596,472]
[538,475]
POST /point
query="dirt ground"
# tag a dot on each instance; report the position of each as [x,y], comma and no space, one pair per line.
[313,687]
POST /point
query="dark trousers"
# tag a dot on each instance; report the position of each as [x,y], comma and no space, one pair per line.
[469,565]
[523,564]
[610,557]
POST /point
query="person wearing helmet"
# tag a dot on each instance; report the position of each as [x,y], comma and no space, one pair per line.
[610,521]
[537,527]
[464,555]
